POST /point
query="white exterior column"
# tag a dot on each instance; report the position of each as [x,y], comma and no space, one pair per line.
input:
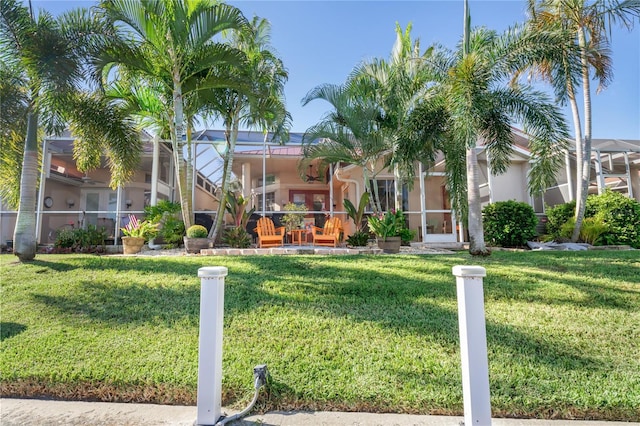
[210,344]
[599,172]
[473,345]
[155,171]
[246,180]
[423,202]
[43,178]
[489,176]
[567,165]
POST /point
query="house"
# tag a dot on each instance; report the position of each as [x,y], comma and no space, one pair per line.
[268,174]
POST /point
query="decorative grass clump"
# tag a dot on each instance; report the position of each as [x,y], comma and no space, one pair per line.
[355,333]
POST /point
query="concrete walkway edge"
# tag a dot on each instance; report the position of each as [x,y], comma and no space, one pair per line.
[14,412]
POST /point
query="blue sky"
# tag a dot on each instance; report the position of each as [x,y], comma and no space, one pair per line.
[321,41]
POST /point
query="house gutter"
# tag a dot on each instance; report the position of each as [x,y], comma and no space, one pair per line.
[338,174]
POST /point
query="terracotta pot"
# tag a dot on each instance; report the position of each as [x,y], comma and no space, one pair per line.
[132,245]
[194,245]
[390,244]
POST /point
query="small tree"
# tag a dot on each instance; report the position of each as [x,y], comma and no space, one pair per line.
[293,220]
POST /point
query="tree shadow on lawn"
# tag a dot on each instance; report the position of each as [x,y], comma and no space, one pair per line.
[398,299]
[564,270]
[10,329]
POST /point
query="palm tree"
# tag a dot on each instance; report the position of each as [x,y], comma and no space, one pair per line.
[350,133]
[470,104]
[396,85]
[371,112]
[257,100]
[585,25]
[54,56]
[173,45]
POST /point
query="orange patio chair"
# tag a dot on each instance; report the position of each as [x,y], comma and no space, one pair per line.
[268,234]
[329,235]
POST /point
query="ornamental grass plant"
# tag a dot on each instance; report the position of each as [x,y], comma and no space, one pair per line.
[353,333]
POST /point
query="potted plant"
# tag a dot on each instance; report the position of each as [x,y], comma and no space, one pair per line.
[388,228]
[136,233]
[197,238]
[360,237]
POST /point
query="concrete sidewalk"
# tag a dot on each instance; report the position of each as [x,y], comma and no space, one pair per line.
[23,412]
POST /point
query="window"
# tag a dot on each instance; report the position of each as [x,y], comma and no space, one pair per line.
[271,179]
[270,199]
[386,193]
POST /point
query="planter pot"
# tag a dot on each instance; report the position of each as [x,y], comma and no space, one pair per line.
[132,245]
[194,245]
[390,244]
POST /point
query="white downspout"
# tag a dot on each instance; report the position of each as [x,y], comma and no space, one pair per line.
[338,172]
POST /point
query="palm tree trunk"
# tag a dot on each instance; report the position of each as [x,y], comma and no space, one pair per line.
[185,199]
[475,228]
[232,136]
[585,159]
[24,236]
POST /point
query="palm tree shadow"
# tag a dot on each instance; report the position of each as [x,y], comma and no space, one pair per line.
[10,329]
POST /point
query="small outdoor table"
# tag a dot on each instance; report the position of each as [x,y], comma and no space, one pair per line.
[299,236]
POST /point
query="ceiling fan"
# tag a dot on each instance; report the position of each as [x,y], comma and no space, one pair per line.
[311,178]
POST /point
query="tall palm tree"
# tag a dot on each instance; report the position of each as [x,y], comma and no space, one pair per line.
[257,100]
[54,56]
[174,44]
[371,112]
[397,86]
[470,95]
[586,25]
[351,132]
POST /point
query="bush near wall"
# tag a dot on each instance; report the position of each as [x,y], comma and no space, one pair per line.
[509,223]
[620,213]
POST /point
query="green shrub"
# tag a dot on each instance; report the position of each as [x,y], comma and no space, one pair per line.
[509,223]
[358,239]
[407,235]
[559,215]
[168,217]
[592,231]
[237,237]
[81,240]
[197,231]
[620,214]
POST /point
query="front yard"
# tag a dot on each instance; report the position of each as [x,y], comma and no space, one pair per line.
[352,333]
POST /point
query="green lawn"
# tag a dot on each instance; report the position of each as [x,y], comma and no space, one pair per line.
[354,333]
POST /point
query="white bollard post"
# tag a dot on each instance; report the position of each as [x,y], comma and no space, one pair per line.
[473,345]
[210,344]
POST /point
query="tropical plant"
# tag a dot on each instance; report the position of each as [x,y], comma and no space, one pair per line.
[293,220]
[53,57]
[388,224]
[358,239]
[585,46]
[138,229]
[172,46]
[357,213]
[469,105]
[256,99]
[350,133]
[236,237]
[197,231]
[370,114]
[237,208]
